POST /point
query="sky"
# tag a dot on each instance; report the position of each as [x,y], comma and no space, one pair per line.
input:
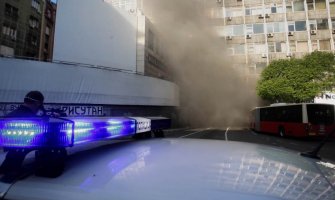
[55,1]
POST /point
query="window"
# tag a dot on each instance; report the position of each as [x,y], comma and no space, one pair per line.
[322,24]
[11,11]
[47,30]
[333,22]
[319,24]
[238,30]
[278,47]
[312,24]
[258,28]
[298,5]
[227,30]
[316,4]
[332,5]
[291,26]
[324,45]
[254,11]
[9,31]
[48,14]
[249,29]
[282,114]
[310,4]
[36,5]
[33,40]
[247,11]
[274,8]
[275,27]
[320,114]
[300,25]
[289,7]
[321,45]
[320,4]
[297,26]
[33,22]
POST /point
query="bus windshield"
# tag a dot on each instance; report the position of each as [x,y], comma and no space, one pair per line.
[320,114]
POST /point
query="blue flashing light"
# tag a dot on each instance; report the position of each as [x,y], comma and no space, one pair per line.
[87,130]
[41,133]
[34,133]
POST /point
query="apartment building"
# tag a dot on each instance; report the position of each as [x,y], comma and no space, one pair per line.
[260,31]
[48,31]
[22,30]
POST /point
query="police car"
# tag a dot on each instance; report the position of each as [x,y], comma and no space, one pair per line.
[164,168]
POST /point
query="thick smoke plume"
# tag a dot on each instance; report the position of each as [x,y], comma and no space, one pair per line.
[213,93]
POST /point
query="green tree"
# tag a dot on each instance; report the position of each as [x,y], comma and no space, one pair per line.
[298,80]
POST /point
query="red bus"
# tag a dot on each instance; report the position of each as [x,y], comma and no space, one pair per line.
[298,120]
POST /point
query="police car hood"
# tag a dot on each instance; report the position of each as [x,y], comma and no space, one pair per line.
[183,169]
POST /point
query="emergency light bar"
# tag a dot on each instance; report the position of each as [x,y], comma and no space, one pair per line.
[36,132]
[64,132]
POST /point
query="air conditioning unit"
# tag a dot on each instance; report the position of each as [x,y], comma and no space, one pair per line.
[264,55]
[270,35]
[230,18]
[313,32]
[260,16]
[248,36]
[333,31]
[229,37]
[267,15]
[289,54]
[290,33]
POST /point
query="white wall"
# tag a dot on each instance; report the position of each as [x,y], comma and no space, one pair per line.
[94,32]
[74,84]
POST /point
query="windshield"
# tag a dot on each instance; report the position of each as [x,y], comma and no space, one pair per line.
[320,114]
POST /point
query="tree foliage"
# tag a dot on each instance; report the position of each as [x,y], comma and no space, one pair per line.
[298,80]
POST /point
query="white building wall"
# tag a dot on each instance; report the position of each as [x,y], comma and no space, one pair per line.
[96,32]
[82,85]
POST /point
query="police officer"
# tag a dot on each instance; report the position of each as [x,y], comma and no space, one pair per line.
[32,106]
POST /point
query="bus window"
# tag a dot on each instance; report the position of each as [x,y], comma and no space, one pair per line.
[282,113]
[320,114]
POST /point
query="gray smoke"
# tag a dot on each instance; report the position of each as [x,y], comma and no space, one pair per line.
[213,93]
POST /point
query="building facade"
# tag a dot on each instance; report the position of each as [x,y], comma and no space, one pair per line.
[47,31]
[126,39]
[260,31]
[22,27]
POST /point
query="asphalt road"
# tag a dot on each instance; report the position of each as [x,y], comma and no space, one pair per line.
[295,144]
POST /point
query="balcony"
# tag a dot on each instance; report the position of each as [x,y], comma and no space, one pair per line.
[317,14]
[276,37]
[253,19]
[277,17]
[299,35]
[296,16]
